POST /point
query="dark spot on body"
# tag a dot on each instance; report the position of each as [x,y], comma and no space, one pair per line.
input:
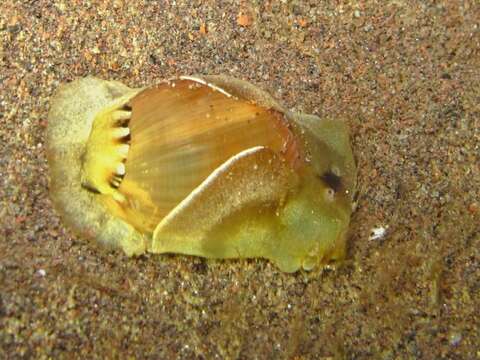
[114,183]
[126,139]
[115,180]
[332,180]
[122,123]
[90,188]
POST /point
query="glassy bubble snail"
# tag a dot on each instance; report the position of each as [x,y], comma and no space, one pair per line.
[209,166]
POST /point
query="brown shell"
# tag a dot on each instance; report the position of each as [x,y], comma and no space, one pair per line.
[181,131]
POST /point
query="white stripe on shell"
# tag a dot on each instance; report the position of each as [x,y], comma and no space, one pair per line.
[203,82]
[198,190]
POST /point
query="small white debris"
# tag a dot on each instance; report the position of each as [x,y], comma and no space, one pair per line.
[41,272]
[378,233]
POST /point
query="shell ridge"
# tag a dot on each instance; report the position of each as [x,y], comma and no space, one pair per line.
[199,189]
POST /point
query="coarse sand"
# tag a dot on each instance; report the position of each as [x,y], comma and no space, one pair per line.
[403,74]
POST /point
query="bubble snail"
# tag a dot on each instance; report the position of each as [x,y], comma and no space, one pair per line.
[209,166]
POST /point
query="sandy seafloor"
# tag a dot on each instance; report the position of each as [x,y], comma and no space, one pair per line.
[405,76]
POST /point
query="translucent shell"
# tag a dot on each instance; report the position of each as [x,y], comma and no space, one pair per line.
[208,166]
[181,132]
